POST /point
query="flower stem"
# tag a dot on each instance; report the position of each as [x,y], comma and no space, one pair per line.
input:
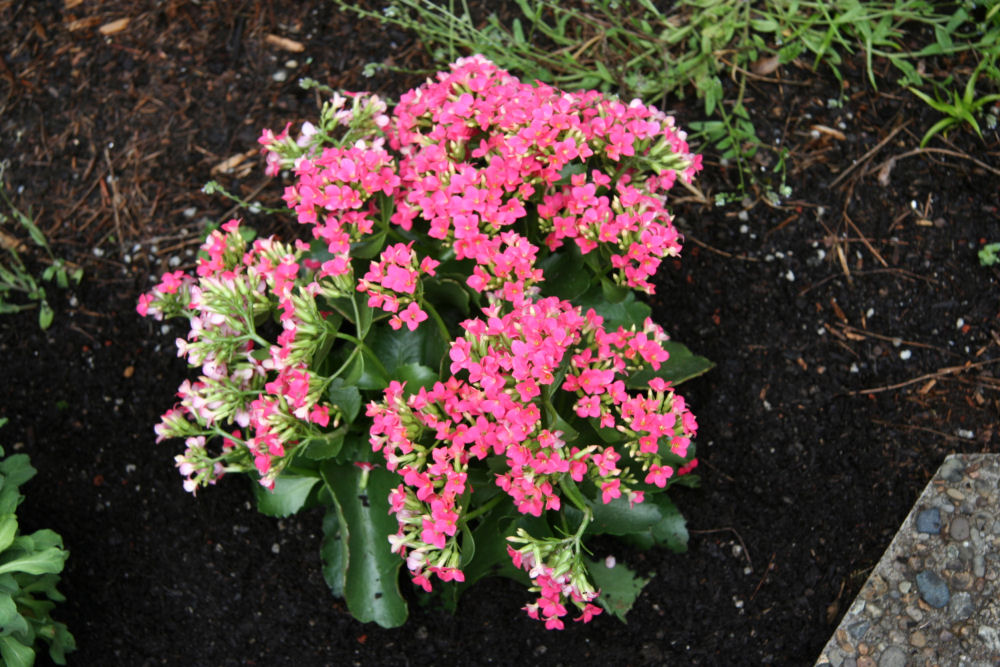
[482,509]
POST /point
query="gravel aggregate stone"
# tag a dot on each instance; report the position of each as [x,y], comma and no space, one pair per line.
[933,598]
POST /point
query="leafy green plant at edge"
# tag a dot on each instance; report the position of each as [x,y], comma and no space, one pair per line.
[29,572]
[988,254]
[15,278]
[633,48]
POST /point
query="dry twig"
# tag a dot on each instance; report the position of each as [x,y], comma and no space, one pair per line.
[940,373]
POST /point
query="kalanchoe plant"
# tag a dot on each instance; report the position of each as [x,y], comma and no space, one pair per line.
[455,364]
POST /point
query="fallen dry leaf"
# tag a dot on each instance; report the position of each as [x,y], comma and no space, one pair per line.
[764,66]
[285,43]
[823,129]
[883,173]
[11,243]
[82,24]
[230,163]
[114,27]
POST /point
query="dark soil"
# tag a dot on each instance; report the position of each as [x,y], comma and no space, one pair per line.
[854,329]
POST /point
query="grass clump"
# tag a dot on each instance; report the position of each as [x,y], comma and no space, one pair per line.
[710,49]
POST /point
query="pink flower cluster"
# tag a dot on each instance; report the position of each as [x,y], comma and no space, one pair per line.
[479,146]
[267,389]
[557,582]
[392,283]
[504,370]
[476,149]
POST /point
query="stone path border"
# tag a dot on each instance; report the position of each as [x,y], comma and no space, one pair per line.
[934,597]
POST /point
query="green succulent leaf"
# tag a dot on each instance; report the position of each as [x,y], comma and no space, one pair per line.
[566,274]
[346,397]
[333,550]
[289,495]
[683,365]
[371,570]
[619,586]
[670,531]
[626,312]
[325,446]
[415,376]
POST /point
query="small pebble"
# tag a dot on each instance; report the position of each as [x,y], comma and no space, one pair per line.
[961,606]
[929,521]
[990,637]
[978,566]
[858,630]
[933,589]
[893,657]
[959,529]
[962,581]
[918,639]
[952,469]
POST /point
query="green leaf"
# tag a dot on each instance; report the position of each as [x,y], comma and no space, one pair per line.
[371,582]
[625,313]
[369,246]
[620,518]
[354,369]
[397,347]
[16,470]
[333,551]
[670,531]
[518,31]
[365,314]
[16,654]
[49,560]
[43,584]
[682,366]
[613,293]
[8,529]
[34,232]
[415,376]
[287,498]
[566,275]
[346,397]
[446,291]
[11,621]
[45,315]
[619,586]
[61,643]
[325,446]
[45,538]
[988,254]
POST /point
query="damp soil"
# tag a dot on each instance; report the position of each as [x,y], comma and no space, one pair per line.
[854,330]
